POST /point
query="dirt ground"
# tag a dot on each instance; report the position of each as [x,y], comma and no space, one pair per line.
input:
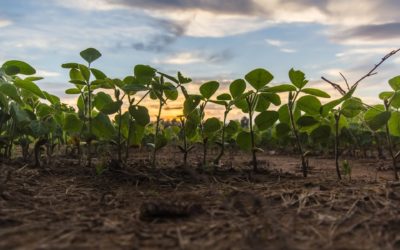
[67,206]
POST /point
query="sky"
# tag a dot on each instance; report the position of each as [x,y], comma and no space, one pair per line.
[207,40]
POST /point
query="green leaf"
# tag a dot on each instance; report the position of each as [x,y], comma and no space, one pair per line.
[242,104]
[85,72]
[211,126]
[72,123]
[29,86]
[10,67]
[306,121]
[140,114]
[309,104]
[281,88]
[395,83]
[232,127]
[266,119]
[111,108]
[394,123]
[70,65]
[137,134]
[171,92]
[297,78]
[284,114]
[171,78]
[395,100]
[237,87]
[161,141]
[78,82]
[190,104]
[44,110]
[76,74]
[39,128]
[208,89]
[102,127]
[326,108]
[11,70]
[10,91]
[376,117]
[321,133]
[386,95]
[51,98]
[34,78]
[99,75]
[243,139]
[182,79]
[282,129]
[72,91]
[101,100]
[352,107]
[90,55]
[262,104]
[224,97]
[272,97]
[144,73]
[135,87]
[191,126]
[19,115]
[316,92]
[258,78]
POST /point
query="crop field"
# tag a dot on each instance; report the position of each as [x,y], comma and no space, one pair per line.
[300,170]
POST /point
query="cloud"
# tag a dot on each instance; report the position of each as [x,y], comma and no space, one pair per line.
[5,23]
[169,33]
[372,33]
[242,7]
[279,44]
[196,57]
[47,74]
[275,42]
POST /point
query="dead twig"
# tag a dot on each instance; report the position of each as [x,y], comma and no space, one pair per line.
[370,73]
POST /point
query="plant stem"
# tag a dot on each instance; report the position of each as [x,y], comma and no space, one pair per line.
[185,146]
[119,135]
[221,153]
[390,145]
[153,164]
[205,141]
[129,130]
[337,118]
[295,132]
[251,104]
[89,141]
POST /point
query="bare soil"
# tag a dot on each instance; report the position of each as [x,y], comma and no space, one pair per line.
[67,206]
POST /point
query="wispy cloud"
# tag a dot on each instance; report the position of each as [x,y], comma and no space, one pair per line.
[280,44]
[5,23]
[47,74]
[196,57]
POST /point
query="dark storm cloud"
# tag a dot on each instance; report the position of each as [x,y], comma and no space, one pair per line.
[219,6]
[374,32]
[169,33]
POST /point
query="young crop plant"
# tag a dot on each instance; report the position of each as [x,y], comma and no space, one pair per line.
[80,76]
[190,118]
[257,99]
[309,104]
[161,91]
[228,100]
[375,118]
[388,115]
[22,115]
[209,127]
